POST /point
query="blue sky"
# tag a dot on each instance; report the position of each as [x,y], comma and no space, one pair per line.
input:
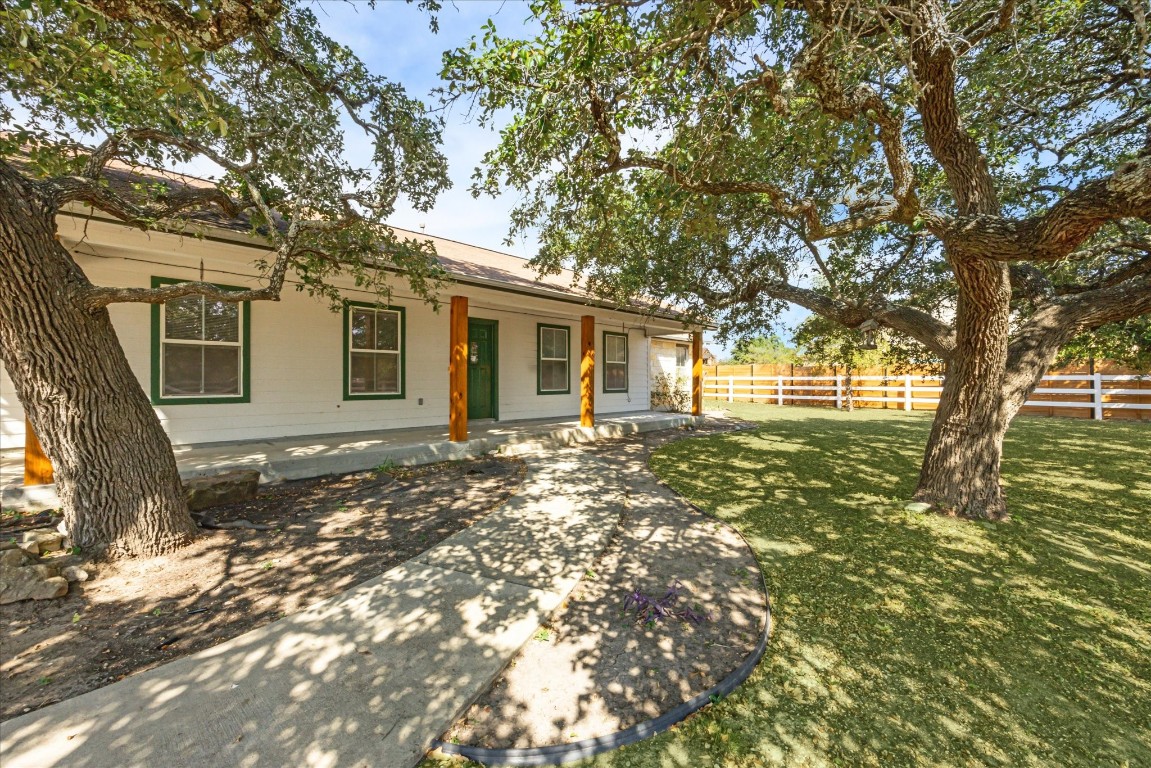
[394,40]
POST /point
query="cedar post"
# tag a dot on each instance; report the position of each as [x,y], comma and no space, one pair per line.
[587,372]
[37,466]
[458,371]
[697,373]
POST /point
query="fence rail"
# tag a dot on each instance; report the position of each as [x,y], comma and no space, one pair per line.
[1099,393]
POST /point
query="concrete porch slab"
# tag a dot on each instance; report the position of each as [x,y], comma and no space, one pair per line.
[311,456]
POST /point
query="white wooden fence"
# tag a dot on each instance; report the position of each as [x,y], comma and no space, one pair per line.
[909,391]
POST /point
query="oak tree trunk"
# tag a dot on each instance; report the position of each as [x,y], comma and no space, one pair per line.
[960,472]
[115,472]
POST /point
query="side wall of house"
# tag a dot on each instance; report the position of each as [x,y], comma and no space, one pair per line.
[296,349]
[664,360]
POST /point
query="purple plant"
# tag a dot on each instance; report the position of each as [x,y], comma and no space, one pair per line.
[649,610]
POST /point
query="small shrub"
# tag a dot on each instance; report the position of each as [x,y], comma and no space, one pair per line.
[670,393]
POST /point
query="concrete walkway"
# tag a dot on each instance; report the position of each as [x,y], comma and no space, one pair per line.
[366,678]
[299,457]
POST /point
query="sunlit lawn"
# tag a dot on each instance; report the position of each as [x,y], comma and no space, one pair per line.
[909,639]
[914,639]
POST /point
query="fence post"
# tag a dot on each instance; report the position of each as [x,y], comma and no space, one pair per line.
[731,389]
[779,390]
[907,392]
[839,392]
[1097,395]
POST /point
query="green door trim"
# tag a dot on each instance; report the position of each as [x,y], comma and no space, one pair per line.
[494,325]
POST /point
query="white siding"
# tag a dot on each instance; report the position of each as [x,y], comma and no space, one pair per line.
[11,414]
[296,379]
[663,355]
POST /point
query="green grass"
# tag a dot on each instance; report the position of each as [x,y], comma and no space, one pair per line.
[909,639]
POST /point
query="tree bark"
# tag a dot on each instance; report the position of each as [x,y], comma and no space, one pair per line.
[115,472]
[960,472]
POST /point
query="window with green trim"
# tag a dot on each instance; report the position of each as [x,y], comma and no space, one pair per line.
[199,349]
[373,352]
[553,359]
[614,362]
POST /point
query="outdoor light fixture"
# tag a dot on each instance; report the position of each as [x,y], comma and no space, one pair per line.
[869,327]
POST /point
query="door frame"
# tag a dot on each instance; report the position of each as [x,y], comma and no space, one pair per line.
[495,327]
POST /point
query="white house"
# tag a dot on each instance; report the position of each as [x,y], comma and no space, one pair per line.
[523,347]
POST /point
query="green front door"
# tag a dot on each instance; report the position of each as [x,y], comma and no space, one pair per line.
[482,380]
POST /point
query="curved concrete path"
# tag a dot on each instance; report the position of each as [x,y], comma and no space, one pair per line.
[367,678]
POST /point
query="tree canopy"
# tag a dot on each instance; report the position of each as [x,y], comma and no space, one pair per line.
[728,154]
[255,90]
[974,175]
[762,349]
[100,97]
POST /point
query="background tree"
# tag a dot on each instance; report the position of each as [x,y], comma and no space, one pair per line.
[257,90]
[825,342]
[768,349]
[935,165]
[1127,343]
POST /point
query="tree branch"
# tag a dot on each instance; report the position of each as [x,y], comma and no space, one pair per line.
[956,150]
[1059,320]
[98,194]
[813,249]
[100,296]
[864,101]
[919,325]
[988,24]
[864,215]
[321,85]
[225,21]
[1056,233]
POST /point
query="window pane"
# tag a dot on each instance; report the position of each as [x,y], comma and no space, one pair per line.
[547,342]
[363,373]
[363,329]
[554,343]
[183,367]
[615,349]
[183,318]
[388,374]
[221,321]
[553,375]
[388,331]
[221,371]
[681,356]
[615,376]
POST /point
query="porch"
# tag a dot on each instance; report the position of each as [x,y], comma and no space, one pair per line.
[295,458]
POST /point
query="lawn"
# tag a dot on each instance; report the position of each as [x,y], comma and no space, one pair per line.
[910,639]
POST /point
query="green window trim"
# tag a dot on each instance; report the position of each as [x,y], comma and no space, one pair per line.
[403,351]
[158,398]
[625,362]
[540,359]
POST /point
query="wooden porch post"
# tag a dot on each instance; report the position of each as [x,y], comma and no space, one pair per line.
[587,372]
[697,373]
[37,466]
[458,371]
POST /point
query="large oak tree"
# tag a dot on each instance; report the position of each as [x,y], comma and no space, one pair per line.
[974,175]
[101,92]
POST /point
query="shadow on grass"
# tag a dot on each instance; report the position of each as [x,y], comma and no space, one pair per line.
[915,639]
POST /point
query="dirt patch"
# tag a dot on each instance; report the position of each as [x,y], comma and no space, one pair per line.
[329,534]
[593,669]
